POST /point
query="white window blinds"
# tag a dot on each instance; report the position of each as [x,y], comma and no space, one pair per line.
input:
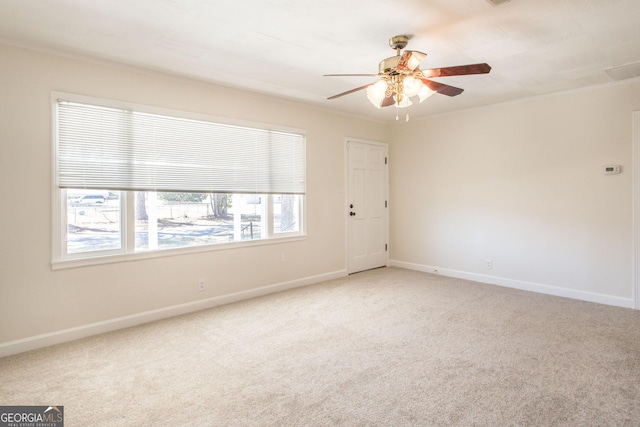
[110,148]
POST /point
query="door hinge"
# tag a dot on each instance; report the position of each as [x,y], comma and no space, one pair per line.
[385,204]
[385,160]
[386,247]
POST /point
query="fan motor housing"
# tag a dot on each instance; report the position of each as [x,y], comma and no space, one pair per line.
[389,65]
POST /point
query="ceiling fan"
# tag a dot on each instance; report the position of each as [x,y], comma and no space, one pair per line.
[401,79]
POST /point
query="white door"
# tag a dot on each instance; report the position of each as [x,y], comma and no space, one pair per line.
[367,205]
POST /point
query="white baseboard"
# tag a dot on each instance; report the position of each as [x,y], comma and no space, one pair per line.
[519,284]
[58,337]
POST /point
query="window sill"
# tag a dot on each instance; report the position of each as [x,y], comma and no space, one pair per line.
[136,256]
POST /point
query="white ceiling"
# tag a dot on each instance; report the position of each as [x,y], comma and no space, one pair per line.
[283,47]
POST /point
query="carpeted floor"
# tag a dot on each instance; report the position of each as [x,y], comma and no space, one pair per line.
[379,348]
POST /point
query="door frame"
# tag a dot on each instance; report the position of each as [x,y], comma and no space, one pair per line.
[347,195]
[636,211]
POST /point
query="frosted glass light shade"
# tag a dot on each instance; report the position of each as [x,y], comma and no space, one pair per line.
[404,103]
[412,86]
[425,93]
[376,92]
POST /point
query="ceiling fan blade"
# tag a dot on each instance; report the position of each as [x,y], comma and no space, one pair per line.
[389,100]
[410,60]
[459,70]
[442,88]
[351,75]
[349,91]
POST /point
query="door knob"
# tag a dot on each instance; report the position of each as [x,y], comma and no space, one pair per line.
[351,206]
[352,213]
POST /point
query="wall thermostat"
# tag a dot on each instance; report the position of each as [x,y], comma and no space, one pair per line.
[612,169]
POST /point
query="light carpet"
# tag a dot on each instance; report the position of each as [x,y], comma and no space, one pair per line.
[385,347]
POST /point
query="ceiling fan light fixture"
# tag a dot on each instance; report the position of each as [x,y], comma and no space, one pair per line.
[400,78]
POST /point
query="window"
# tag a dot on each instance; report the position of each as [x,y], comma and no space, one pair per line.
[131,180]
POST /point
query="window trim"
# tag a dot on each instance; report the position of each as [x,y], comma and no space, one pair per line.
[61,260]
[136,256]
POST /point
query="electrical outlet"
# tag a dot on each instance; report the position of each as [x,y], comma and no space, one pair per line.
[488,263]
[201,285]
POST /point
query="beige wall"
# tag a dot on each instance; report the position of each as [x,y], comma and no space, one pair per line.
[35,300]
[521,184]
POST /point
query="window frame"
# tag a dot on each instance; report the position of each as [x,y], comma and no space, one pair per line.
[61,259]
